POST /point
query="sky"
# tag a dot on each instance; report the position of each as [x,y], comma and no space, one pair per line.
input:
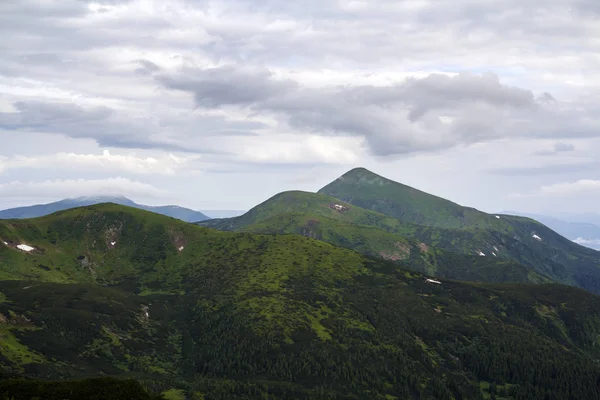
[494,104]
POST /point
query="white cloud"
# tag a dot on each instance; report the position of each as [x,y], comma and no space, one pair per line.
[300,149]
[129,163]
[587,242]
[61,188]
[580,187]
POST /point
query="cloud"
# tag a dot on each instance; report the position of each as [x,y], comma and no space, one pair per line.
[418,114]
[243,58]
[125,129]
[583,188]
[587,242]
[559,147]
[131,163]
[227,85]
[103,124]
[61,188]
[553,169]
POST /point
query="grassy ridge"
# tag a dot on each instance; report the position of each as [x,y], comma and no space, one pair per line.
[381,218]
[521,239]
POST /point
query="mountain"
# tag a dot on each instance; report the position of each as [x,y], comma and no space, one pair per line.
[325,218]
[363,188]
[222,213]
[586,218]
[195,313]
[184,214]
[583,233]
[386,216]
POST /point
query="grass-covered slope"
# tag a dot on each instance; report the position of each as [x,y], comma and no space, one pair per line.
[366,189]
[513,254]
[370,233]
[240,315]
[452,227]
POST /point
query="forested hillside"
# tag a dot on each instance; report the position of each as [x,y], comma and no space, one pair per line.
[189,311]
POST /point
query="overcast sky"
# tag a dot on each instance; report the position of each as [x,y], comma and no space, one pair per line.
[493,104]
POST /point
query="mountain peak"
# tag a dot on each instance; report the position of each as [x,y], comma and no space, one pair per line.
[363,176]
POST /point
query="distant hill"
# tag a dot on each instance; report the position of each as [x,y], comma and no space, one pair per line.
[587,217]
[583,233]
[196,313]
[39,210]
[222,213]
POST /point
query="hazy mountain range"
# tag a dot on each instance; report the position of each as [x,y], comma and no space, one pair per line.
[184,214]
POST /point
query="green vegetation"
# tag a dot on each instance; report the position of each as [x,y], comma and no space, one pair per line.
[383,218]
[318,221]
[243,315]
[89,389]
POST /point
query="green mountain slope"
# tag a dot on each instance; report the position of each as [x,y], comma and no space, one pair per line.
[462,229]
[240,315]
[368,190]
[370,233]
[477,252]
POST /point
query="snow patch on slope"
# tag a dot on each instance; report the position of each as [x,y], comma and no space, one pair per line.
[25,247]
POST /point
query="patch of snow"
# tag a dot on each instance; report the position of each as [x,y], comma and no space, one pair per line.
[25,247]
[497,216]
[536,237]
[181,248]
[482,254]
[494,254]
[495,248]
[147,314]
[433,281]
[113,243]
[6,244]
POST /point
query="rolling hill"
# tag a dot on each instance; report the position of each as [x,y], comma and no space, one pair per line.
[195,313]
[377,213]
[39,210]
